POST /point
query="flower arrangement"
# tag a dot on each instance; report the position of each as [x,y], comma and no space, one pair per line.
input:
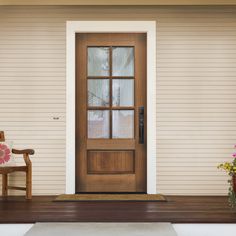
[230,169]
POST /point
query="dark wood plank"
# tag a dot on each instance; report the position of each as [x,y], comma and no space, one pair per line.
[178,209]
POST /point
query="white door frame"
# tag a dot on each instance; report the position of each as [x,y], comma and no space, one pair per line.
[148,27]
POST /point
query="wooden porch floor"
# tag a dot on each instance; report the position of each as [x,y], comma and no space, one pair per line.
[178,209]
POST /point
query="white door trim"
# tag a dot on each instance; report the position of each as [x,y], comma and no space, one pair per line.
[148,27]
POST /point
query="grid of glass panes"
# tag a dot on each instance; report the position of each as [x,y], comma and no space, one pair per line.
[110,92]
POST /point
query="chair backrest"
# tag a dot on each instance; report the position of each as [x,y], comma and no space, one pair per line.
[2,137]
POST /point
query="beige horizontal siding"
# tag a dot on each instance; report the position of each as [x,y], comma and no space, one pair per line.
[196,81]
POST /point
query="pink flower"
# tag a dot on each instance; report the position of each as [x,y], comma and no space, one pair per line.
[4,153]
[234,154]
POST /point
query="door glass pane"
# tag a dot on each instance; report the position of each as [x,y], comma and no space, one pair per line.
[98,61]
[122,92]
[123,61]
[122,124]
[98,92]
[98,124]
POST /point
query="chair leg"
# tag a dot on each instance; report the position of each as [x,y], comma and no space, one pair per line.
[4,185]
[29,183]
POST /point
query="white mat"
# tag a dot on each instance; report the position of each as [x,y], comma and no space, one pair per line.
[102,229]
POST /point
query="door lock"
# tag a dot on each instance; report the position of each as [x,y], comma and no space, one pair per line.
[141,125]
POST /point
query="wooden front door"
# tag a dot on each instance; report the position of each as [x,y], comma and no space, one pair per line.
[111,112]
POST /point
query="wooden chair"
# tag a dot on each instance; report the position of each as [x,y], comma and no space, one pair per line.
[5,170]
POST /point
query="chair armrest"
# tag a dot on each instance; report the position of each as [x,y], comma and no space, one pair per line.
[25,151]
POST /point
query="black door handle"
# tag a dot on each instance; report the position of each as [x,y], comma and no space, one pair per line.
[141,124]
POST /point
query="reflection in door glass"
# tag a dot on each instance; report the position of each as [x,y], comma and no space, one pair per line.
[98,92]
[123,61]
[98,124]
[98,61]
[122,92]
[123,124]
